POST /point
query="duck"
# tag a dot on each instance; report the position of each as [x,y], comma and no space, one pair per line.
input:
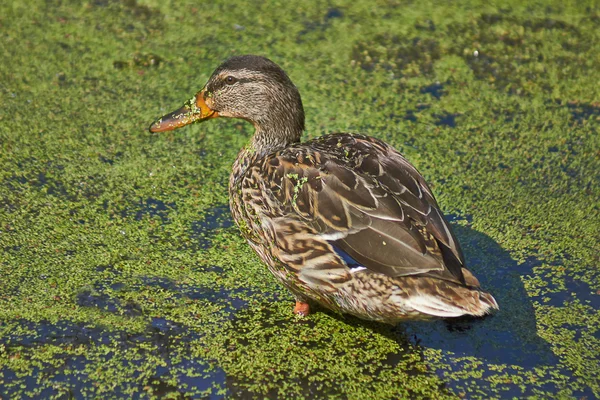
[343,221]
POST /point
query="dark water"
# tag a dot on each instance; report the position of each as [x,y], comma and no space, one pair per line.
[509,337]
[162,340]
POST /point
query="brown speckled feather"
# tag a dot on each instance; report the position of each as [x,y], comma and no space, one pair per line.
[343,220]
[362,195]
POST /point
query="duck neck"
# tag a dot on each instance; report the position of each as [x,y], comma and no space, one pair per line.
[281,125]
[265,141]
[268,139]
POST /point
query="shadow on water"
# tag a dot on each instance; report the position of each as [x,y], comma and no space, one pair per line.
[510,334]
[508,337]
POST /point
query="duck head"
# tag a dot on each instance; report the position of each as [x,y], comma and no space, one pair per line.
[249,87]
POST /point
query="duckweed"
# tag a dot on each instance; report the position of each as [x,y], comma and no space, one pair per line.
[122,277]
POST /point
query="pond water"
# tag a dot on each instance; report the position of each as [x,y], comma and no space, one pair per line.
[125,277]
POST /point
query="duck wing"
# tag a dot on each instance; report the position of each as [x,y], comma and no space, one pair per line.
[365,199]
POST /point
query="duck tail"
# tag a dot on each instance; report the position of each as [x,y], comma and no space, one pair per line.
[488,301]
[447,299]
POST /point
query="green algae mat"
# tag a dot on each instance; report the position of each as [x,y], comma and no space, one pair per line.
[122,275]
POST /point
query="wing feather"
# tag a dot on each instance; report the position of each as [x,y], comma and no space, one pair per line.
[367,200]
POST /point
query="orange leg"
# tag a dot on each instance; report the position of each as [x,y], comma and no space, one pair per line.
[301,309]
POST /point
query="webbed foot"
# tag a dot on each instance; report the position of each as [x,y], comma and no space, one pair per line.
[302,309]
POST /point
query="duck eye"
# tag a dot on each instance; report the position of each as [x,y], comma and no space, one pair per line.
[230,80]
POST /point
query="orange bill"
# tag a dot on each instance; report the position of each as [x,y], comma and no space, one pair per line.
[193,110]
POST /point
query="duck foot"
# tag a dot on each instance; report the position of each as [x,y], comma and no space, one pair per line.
[302,309]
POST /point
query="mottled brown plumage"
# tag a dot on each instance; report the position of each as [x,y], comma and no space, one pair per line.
[343,220]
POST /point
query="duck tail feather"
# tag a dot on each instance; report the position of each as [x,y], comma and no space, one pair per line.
[447,300]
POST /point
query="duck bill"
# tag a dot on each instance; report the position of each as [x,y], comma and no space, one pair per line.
[193,110]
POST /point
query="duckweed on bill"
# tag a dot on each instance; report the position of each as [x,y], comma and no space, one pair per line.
[124,277]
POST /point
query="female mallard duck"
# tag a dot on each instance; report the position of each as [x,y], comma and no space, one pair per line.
[343,220]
